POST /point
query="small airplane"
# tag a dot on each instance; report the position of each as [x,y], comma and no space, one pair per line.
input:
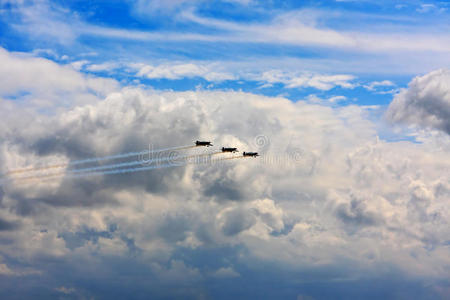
[232,150]
[202,143]
[252,154]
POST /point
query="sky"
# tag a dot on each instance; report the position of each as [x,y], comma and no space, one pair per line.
[103,195]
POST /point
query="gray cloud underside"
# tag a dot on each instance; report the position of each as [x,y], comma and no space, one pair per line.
[426,102]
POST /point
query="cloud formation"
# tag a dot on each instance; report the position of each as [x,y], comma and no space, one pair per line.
[49,83]
[327,203]
[426,102]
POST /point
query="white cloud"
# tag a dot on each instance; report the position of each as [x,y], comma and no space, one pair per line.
[46,20]
[218,71]
[79,64]
[426,102]
[48,81]
[372,86]
[291,28]
[314,99]
[336,99]
[389,51]
[182,70]
[305,80]
[341,207]
[303,27]
[103,67]
[424,8]
[428,7]
[382,87]
[323,212]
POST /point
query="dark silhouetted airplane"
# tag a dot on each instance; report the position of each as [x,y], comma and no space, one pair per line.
[232,150]
[251,154]
[202,143]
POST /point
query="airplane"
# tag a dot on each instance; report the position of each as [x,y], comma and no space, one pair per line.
[232,150]
[253,154]
[201,143]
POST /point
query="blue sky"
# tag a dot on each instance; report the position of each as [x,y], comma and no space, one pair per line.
[236,42]
[347,102]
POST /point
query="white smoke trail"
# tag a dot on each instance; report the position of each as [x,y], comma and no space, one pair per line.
[173,161]
[96,159]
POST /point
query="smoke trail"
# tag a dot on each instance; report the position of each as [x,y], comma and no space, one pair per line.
[90,174]
[173,161]
[140,162]
[96,159]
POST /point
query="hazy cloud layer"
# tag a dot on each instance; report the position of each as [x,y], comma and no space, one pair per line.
[328,206]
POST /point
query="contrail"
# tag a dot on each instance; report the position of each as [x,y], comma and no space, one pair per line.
[96,159]
[177,161]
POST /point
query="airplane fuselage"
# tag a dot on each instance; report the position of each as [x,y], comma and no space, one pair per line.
[251,154]
[232,150]
[203,143]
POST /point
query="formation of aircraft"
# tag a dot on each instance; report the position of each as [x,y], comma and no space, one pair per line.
[225,149]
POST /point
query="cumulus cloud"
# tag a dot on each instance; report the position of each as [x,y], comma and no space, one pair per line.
[426,102]
[338,206]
